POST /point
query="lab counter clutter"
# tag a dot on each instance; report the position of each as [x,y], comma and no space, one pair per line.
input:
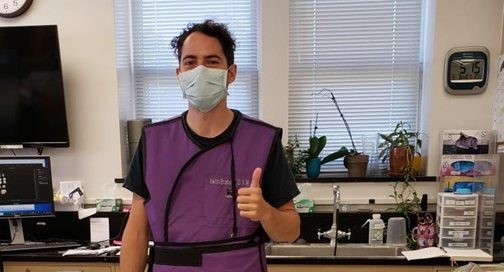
[312,252]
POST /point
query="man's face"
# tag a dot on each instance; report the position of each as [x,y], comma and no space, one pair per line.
[200,49]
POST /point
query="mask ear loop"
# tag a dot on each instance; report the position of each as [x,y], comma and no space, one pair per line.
[180,84]
[226,78]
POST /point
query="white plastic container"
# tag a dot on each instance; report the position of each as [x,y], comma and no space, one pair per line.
[376,227]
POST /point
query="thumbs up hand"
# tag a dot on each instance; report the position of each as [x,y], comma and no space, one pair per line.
[250,200]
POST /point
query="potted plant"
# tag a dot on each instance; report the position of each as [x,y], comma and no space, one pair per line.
[294,160]
[311,156]
[356,162]
[399,147]
[407,202]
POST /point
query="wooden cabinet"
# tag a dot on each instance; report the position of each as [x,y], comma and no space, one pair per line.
[59,267]
[442,269]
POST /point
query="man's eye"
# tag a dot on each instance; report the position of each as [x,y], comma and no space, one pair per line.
[213,63]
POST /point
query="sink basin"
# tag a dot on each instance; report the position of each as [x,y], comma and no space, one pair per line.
[343,250]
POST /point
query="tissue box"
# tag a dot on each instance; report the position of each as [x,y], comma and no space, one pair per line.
[304,206]
[109,205]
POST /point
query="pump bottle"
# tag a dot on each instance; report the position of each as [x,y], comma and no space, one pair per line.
[376,227]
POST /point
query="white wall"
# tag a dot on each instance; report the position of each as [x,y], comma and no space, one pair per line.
[459,23]
[88,49]
[274,63]
[87,44]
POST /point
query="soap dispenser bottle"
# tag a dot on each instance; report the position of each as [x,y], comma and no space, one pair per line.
[376,227]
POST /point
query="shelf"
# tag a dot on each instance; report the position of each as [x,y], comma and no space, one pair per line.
[342,177]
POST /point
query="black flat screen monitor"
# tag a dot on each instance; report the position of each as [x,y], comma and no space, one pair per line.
[25,190]
[32,104]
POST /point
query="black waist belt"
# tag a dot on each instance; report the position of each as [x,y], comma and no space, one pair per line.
[192,255]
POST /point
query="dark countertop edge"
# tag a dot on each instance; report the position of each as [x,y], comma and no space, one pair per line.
[360,261]
[326,178]
[60,259]
[322,261]
[26,257]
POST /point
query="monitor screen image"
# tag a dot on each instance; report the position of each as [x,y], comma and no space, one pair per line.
[25,187]
[25,191]
[32,104]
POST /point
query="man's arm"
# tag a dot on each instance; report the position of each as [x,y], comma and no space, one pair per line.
[135,238]
[281,225]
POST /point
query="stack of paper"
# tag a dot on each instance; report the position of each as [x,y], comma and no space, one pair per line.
[476,255]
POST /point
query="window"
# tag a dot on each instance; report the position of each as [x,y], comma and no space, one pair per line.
[146,64]
[368,54]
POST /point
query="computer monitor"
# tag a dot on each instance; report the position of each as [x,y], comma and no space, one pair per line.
[25,191]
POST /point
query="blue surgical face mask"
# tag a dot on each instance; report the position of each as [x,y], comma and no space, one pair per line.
[204,87]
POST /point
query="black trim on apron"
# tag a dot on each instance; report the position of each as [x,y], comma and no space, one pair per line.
[193,256]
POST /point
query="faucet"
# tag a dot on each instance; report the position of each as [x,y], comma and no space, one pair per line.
[334,234]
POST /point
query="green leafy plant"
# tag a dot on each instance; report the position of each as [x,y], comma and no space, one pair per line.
[407,203]
[316,146]
[355,161]
[400,137]
[405,197]
[292,154]
[353,150]
[404,194]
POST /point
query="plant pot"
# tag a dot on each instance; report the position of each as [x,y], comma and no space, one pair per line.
[356,164]
[399,157]
[313,167]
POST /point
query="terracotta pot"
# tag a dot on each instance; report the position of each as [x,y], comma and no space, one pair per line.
[356,164]
[398,160]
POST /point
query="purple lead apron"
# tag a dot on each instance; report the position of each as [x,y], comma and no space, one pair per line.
[192,209]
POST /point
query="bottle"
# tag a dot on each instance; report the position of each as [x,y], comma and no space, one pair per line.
[376,227]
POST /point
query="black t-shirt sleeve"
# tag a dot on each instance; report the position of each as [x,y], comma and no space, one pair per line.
[279,185]
[135,180]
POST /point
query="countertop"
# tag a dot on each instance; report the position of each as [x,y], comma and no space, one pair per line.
[56,256]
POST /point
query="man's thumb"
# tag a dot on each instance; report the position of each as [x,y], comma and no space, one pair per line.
[256,177]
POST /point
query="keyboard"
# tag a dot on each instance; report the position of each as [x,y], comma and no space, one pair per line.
[38,246]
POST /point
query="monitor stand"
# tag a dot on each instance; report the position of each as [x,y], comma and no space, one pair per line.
[16,231]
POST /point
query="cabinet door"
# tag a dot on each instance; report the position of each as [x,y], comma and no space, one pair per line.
[442,269]
[57,267]
[347,268]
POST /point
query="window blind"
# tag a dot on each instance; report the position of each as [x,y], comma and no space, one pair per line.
[368,54]
[153,23]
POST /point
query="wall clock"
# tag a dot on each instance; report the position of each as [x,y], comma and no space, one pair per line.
[13,8]
[466,70]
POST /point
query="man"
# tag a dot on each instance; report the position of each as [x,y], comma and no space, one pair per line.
[207,183]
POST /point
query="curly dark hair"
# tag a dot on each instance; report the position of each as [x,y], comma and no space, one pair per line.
[212,29]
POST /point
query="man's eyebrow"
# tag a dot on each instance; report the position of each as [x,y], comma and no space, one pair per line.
[189,57]
[212,56]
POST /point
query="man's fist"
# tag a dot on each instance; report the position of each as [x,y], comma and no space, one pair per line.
[250,200]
